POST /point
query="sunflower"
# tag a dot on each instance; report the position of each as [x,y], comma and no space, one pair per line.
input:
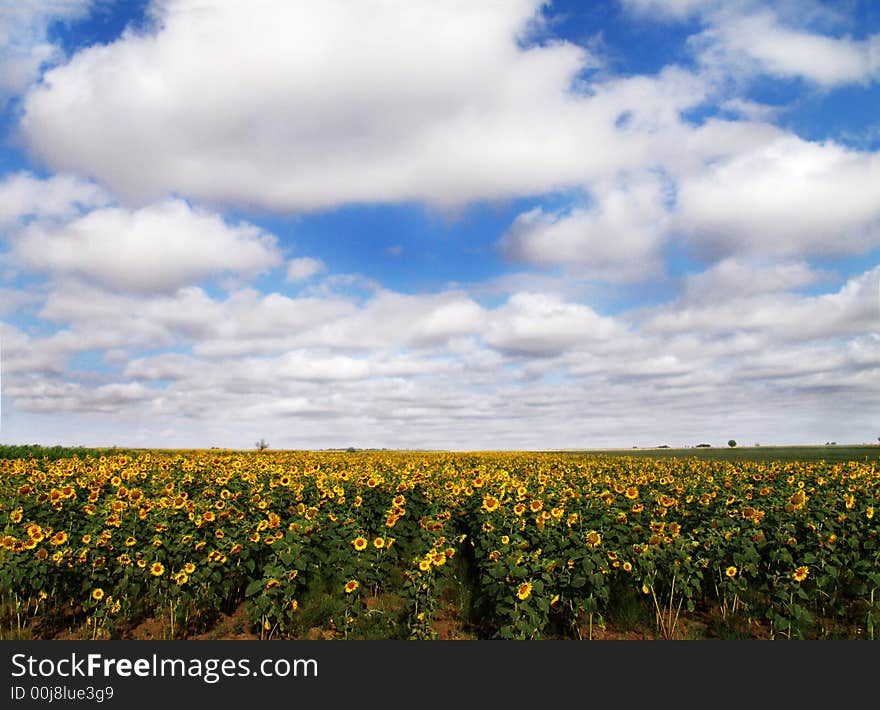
[360,543]
[189,568]
[594,539]
[379,543]
[632,493]
[130,541]
[800,574]
[730,571]
[490,504]
[97,594]
[424,565]
[524,590]
[157,569]
[351,585]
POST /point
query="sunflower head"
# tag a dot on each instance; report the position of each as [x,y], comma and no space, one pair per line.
[524,590]
[800,574]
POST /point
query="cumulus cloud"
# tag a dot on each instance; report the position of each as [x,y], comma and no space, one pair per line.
[24,196]
[852,310]
[784,39]
[760,42]
[24,43]
[295,106]
[535,324]
[735,278]
[786,197]
[617,238]
[24,354]
[669,9]
[162,247]
[535,371]
[304,267]
[51,397]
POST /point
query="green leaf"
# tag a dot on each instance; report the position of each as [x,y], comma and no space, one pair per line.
[253,587]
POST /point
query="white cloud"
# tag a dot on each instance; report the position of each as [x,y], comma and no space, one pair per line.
[773,48]
[24,196]
[390,320]
[781,38]
[735,278]
[297,107]
[669,9]
[304,267]
[851,311]
[537,371]
[534,324]
[24,44]
[161,247]
[245,322]
[617,238]
[19,354]
[788,197]
[51,397]
[308,106]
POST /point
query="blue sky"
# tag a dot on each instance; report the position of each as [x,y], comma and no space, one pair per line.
[463,225]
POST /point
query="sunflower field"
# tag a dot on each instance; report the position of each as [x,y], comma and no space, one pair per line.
[380,544]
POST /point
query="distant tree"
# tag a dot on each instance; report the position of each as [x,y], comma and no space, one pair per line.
[262,445]
[731,443]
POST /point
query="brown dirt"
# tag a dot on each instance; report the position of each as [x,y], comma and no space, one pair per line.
[448,625]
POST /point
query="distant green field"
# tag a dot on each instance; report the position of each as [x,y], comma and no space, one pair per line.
[832,454]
